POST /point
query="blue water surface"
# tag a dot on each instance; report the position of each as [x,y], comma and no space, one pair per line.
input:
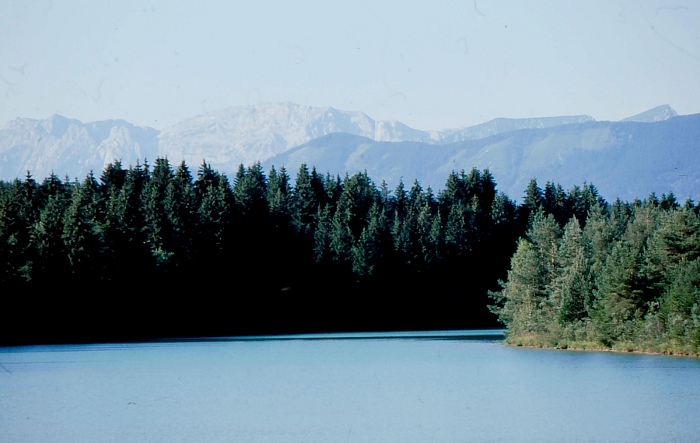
[455,386]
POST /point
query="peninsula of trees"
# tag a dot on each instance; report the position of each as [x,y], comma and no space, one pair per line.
[152,251]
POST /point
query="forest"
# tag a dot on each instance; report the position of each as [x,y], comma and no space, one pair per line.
[153,251]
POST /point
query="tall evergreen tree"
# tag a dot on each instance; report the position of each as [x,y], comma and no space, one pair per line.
[619,297]
[533,199]
[250,191]
[570,288]
[519,302]
[680,306]
[181,208]
[83,231]
[599,238]
[215,212]
[305,202]
[555,202]
[279,194]
[158,227]
[545,234]
[47,239]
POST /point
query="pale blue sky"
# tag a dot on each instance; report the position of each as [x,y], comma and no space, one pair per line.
[431,65]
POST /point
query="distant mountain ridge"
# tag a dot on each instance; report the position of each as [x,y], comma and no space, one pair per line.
[657,114]
[224,138]
[622,159]
[70,147]
[500,125]
[232,136]
[558,149]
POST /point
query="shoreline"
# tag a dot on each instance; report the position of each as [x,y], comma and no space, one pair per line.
[531,342]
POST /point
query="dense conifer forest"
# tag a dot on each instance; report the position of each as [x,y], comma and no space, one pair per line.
[626,277]
[155,251]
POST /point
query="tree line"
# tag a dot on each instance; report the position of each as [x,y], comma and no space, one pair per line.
[627,277]
[155,251]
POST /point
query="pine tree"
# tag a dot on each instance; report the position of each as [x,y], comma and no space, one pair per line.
[456,235]
[668,202]
[680,306]
[305,203]
[250,192]
[125,227]
[46,238]
[341,235]
[533,199]
[358,196]
[545,235]
[401,235]
[428,235]
[620,215]
[504,217]
[215,212]
[519,302]
[113,178]
[452,193]
[599,238]
[322,235]
[279,194]
[158,228]
[399,202]
[619,295]
[83,231]
[181,208]
[676,240]
[555,202]
[570,287]
[674,243]
[11,258]
[488,191]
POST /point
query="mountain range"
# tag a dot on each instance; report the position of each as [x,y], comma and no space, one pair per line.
[654,151]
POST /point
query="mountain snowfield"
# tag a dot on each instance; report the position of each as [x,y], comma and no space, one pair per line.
[655,151]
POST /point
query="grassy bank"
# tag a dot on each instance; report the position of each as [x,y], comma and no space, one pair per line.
[647,347]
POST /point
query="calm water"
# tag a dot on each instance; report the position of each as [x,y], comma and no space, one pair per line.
[447,387]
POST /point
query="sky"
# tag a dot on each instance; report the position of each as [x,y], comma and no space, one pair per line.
[431,65]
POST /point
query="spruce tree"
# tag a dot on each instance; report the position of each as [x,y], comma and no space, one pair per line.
[619,296]
[545,234]
[279,195]
[47,239]
[570,288]
[322,235]
[305,203]
[680,306]
[181,207]
[83,232]
[519,302]
[157,227]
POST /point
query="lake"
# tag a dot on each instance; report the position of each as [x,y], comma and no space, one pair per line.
[456,386]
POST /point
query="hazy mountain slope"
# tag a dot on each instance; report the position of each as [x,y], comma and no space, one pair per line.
[69,147]
[629,159]
[501,125]
[232,136]
[625,159]
[657,114]
[238,135]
